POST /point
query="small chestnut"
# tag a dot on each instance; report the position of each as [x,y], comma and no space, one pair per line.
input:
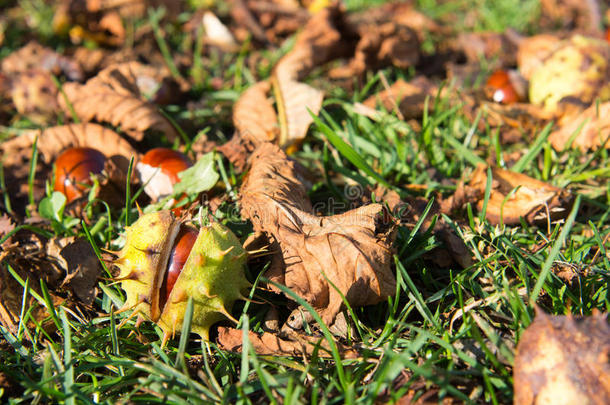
[183,244]
[73,169]
[501,89]
[158,171]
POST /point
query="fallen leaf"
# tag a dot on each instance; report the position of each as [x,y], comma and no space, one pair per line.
[28,80]
[572,14]
[25,253]
[563,360]
[351,251]
[577,68]
[34,94]
[51,142]
[6,225]
[251,26]
[381,44]
[488,46]
[37,57]
[591,129]
[117,95]
[77,259]
[271,344]
[515,195]
[236,151]
[268,21]
[523,117]
[101,21]
[254,116]
[532,51]
[316,44]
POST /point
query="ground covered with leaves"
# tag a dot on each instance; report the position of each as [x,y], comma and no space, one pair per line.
[411,185]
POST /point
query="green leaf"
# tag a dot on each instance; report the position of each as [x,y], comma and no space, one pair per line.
[52,207]
[201,177]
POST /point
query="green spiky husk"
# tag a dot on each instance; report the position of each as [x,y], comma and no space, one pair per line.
[140,259]
[213,274]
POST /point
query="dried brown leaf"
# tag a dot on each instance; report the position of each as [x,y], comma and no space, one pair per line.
[351,251]
[563,360]
[317,43]
[6,225]
[267,21]
[489,46]
[77,259]
[99,103]
[37,57]
[592,129]
[52,141]
[34,94]
[271,344]
[515,195]
[532,51]
[572,14]
[25,253]
[254,116]
[380,45]
[101,21]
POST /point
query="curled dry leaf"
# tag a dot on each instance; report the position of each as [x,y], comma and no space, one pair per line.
[267,21]
[25,252]
[572,14]
[402,14]
[381,44]
[317,43]
[591,129]
[532,51]
[28,80]
[577,68]
[77,259]
[101,21]
[563,360]
[6,225]
[489,46]
[270,344]
[522,117]
[117,96]
[136,79]
[515,195]
[35,56]
[254,116]
[51,142]
[351,251]
[34,94]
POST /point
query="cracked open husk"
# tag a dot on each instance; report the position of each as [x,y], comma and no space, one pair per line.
[213,274]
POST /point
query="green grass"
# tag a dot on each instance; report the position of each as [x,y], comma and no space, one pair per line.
[446,328]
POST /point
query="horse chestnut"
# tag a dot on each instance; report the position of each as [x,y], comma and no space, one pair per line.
[501,89]
[164,262]
[158,171]
[73,169]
